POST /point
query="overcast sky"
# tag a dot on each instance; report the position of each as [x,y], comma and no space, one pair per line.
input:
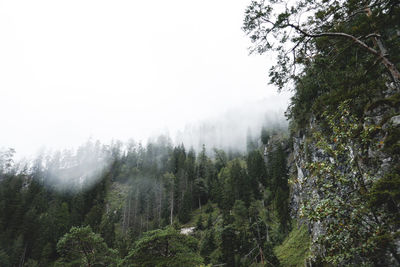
[70,70]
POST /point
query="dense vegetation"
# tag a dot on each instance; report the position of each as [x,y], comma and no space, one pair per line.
[126,204]
[341,59]
[132,214]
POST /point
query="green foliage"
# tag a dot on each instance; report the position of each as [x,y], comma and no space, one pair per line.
[4,259]
[228,245]
[209,221]
[257,172]
[304,31]
[295,249]
[184,211]
[32,263]
[199,223]
[386,191]
[81,247]
[236,186]
[143,189]
[208,245]
[164,247]
[341,58]
[239,211]
[107,229]
[265,135]
[329,51]
[352,227]
[278,183]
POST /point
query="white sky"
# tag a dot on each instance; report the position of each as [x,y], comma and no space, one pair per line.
[70,70]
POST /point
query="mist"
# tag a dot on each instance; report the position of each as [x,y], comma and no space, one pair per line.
[75,169]
[231,129]
[133,70]
[127,70]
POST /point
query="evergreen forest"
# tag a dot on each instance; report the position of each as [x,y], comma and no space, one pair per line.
[325,191]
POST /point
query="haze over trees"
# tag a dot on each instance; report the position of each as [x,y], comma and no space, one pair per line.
[132,214]
[324,192]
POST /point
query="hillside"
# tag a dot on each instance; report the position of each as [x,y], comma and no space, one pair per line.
[323,192]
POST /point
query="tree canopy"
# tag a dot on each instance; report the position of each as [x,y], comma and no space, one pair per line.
[296,30]
[81,247]
[164,247]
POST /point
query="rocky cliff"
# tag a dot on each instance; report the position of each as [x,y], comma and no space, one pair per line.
[345,183]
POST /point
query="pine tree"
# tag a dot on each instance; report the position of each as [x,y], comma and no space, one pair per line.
[82,246]
[228,247]
[185,210]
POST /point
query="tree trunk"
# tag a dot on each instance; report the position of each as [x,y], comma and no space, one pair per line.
[394,72]
[262,256]
[199,203]
[22,260]
[124,220]
[172,206]
[129,211]
[160,207]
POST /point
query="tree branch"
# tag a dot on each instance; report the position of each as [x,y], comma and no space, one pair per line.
[381,56]
[337,34]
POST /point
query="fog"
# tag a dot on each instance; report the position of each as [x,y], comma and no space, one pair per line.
[231,129]
[75,70]
[75,169]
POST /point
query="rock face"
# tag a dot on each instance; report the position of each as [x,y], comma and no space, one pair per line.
[303,153]
[374,159]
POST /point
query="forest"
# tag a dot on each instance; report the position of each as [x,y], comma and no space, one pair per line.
[141,200]
[324,192]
